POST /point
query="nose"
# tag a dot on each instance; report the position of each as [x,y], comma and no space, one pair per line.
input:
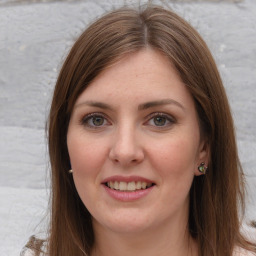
[126,149]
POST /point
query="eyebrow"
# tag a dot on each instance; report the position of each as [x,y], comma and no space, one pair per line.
[142,106]
[156,103]
[95,104]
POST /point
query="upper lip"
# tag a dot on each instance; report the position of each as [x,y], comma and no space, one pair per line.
[120,178]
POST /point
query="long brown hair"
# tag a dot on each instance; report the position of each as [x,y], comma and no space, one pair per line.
[217,198]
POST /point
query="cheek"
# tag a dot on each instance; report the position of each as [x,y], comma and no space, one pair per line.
[175,156]
[85,157]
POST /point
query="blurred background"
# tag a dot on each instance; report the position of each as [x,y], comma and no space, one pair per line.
[35,37]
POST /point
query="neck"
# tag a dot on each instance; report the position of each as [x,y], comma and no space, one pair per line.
[162,242]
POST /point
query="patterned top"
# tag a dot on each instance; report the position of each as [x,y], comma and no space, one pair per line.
[34,247]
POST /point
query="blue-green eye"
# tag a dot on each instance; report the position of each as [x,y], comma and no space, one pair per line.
[94,121]
[97,120]
[160,120]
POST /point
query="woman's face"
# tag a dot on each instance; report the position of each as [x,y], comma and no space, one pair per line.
[134,145]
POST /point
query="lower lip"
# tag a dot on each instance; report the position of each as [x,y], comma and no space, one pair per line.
[126,196]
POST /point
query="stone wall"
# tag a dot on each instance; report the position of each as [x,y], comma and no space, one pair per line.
[19,2]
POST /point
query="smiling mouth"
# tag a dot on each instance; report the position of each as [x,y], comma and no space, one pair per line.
[128,186]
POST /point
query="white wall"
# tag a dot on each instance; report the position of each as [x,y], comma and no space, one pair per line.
[34,39]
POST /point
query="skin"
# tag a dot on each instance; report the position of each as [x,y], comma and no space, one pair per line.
[160,142]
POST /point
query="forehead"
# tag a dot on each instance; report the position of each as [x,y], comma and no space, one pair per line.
[140,76]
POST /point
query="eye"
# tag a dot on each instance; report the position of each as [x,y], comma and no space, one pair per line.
[95,120]
[160,120]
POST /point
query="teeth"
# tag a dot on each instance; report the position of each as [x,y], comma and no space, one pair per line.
[143,184]
[122,186]
[131,186]
[138,185]
[128,186]
[116,185]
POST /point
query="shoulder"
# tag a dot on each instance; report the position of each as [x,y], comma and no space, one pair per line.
[27,252]
[34,246]
[242,252]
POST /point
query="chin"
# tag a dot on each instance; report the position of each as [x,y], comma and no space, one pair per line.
[128,227]
[124,223]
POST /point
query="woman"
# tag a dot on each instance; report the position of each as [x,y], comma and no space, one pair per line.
[142,145]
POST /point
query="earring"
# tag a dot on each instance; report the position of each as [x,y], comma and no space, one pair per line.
[70,171]
[202,168]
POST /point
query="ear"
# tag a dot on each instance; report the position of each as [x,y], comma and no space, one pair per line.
[203,156]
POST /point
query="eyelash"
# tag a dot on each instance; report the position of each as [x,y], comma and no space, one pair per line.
[167,117]
[85,120]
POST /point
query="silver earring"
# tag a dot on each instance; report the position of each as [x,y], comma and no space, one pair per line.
[202,168]
[70,171]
